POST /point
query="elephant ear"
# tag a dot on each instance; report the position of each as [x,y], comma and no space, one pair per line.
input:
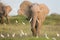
[44,9]
[8,9]
[24,7]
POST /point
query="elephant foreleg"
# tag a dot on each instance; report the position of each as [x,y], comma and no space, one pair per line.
[38,29]
[7,18]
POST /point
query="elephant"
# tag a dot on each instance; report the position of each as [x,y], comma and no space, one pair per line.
[36,13]
[4,10]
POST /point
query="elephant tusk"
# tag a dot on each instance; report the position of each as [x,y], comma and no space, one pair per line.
[30,20]
[37,20]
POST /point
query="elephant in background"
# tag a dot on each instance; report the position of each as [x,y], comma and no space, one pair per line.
[4,11]
[24,8]
[36,13]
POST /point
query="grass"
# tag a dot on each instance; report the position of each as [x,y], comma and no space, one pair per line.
[53,19]
[50,27]
[25,38]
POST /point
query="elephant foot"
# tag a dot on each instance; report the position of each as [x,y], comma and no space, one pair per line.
[37,36]
[34,33]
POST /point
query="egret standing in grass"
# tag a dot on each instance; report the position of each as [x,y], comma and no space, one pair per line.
[58,35]
[23,23]
[16,21]
[25,34]
[22,33]
[13,35]
[46,36]
[2,35]
[8,35]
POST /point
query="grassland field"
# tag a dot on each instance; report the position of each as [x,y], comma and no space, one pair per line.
[51,27]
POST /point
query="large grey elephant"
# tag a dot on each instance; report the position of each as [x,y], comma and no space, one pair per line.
[37,14]
[4,10]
